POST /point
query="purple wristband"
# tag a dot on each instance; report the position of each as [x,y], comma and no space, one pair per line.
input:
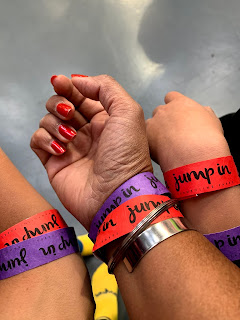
[228,242]
[142,184]
[37,251]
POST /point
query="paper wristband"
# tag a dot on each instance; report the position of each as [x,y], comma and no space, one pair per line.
[124,219]
[228,242]
[142,184]
[40,223]
[200,177]
[37,251]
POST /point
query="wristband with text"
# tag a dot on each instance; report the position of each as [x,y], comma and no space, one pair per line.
[201,177]
[40,223]
[123,219]
[37,251]
[133,235]
[228,242]
[142,184]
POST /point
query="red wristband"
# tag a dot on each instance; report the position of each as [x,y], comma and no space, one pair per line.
[124,218]
[200,177]
[34,226]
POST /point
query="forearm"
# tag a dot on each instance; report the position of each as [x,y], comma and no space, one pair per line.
[184,277]
[197,136]
[18,199]
[59,287]
[53,291]
[183,272]
[213,212]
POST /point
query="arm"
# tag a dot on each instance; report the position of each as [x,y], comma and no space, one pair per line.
[42,292]
[184,277]
[172,277]
[193,133]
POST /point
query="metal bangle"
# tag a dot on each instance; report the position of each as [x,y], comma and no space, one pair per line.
[149,238]
[132,236]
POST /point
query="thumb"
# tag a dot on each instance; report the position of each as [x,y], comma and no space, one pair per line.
[108,91]
[173,95]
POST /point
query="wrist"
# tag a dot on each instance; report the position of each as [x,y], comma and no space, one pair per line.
[191,152]
[213,212]
[112,187]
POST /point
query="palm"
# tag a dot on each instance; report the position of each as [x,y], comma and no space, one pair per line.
[70,174]
[82,178]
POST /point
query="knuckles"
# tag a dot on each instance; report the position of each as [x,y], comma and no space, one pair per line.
[35,138]
[51,102]
[47,121]
[148,123]
[43,122]
[158,110]
[106,78]
[168,95]
[40,137]
[209,109]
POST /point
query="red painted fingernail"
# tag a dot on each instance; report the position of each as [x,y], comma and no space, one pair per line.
[57,148]
[52,78]
[67,132]
[63,109]
[78,75]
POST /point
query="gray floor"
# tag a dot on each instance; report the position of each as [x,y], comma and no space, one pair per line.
[150,47]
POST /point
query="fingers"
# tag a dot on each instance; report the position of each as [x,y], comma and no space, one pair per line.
[105,89]
[57,128]
[90,108]
[170,96]
[51,138]
[45,145]
[64,87]
[173,95]
[60,107]
[63,109]
[157,109]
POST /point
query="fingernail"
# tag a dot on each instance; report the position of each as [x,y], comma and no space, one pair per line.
[66,132]
[78,75]
[52,78]
[57,148]
[63,109]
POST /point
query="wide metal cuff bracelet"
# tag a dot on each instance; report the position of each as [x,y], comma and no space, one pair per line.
[132,236]
[149,238]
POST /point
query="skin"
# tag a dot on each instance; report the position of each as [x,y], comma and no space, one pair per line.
[190,131]
[184,277]
[183,132]
[43,292]
[102,156]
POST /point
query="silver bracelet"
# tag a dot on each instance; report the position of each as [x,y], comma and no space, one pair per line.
[149,238]
[132,236]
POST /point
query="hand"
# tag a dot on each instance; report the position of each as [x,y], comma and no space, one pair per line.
[105,143]
[183,132]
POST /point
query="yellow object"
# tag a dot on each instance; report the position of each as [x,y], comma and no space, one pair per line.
[105,290]
[85,245]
